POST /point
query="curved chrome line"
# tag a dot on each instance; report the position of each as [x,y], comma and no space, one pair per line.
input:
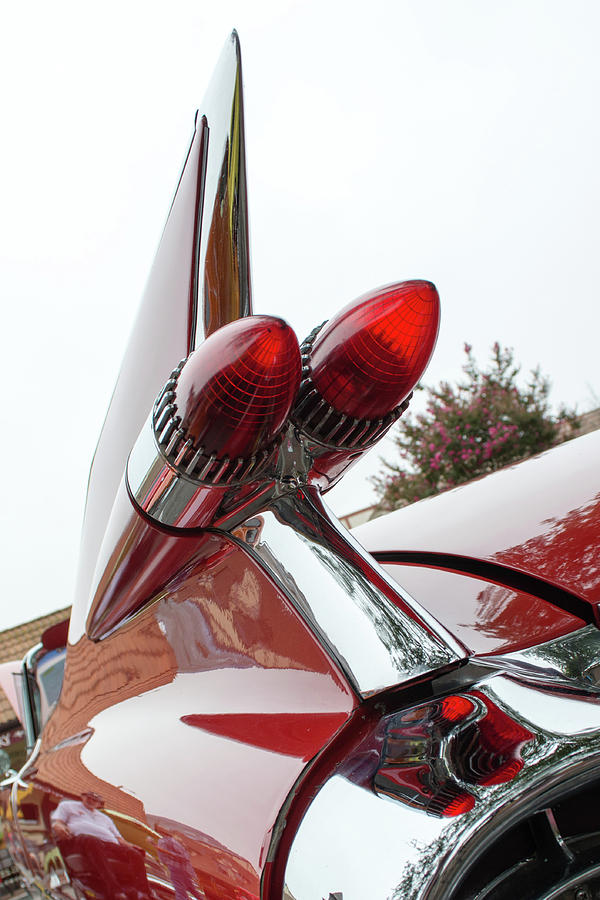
[200,194]
[570,662]
[329,580]
[224,249]
[170,496]
[31,724]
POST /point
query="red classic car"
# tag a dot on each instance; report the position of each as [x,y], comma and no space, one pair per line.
[258,704]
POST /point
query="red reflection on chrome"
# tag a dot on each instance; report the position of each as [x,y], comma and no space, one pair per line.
[461,803]
[431,750]
[456,708]
[236,391]
[371,354]
[497,759]
[293,734]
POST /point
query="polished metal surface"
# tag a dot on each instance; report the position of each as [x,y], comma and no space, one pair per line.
[155,486]
[569,662]
[322,423]
[361,845]
[172,498]
[380,636]
[333,583]
[29,707]
[224,290]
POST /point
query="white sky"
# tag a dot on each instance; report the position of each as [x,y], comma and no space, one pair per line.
[455,140]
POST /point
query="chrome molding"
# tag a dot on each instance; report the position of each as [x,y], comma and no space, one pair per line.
[165,492]
[378,635]
[361,845]
[571,662]
[224,289]
[29,710]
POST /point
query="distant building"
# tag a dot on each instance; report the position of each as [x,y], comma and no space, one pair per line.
[14,644]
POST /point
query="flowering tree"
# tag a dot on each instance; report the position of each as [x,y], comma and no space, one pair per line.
[476,426]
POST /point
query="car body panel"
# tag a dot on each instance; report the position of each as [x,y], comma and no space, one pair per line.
[486,616]
[354,843]
[200,279]
[540,517]
[195,718]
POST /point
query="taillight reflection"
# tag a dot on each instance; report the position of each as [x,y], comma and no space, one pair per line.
[433,753]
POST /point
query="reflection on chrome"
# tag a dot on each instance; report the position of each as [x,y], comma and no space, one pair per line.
[435,753]
[224,254]
[329,580]
[528,756]
[156,487]
[571,661]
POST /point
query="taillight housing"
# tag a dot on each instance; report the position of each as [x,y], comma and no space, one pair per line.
[219,416]
[213,437]
[435,753]
[360,368]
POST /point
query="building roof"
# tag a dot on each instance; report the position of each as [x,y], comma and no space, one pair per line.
[14,644]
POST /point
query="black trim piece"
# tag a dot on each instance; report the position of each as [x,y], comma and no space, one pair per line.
[500,574]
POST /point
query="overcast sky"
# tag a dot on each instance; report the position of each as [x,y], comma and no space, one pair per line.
[454,140]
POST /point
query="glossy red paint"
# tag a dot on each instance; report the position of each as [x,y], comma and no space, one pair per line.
[125,582]
[161,336]
[485,616]
[236,391]
[56,636]
[292,734]
[370,355]
[198,708]
[218,646]
[540,517]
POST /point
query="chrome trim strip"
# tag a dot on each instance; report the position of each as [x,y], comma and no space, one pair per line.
[329,579]
[571,662]
[156,487]
[224,256]
[27,671]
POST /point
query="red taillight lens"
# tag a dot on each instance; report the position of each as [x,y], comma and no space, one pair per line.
[461,802]
[232,397]
[369,356]
[235,392]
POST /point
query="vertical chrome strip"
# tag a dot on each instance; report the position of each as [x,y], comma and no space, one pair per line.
[332,582]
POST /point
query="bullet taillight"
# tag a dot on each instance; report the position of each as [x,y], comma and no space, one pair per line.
[218,418]
[361,367]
